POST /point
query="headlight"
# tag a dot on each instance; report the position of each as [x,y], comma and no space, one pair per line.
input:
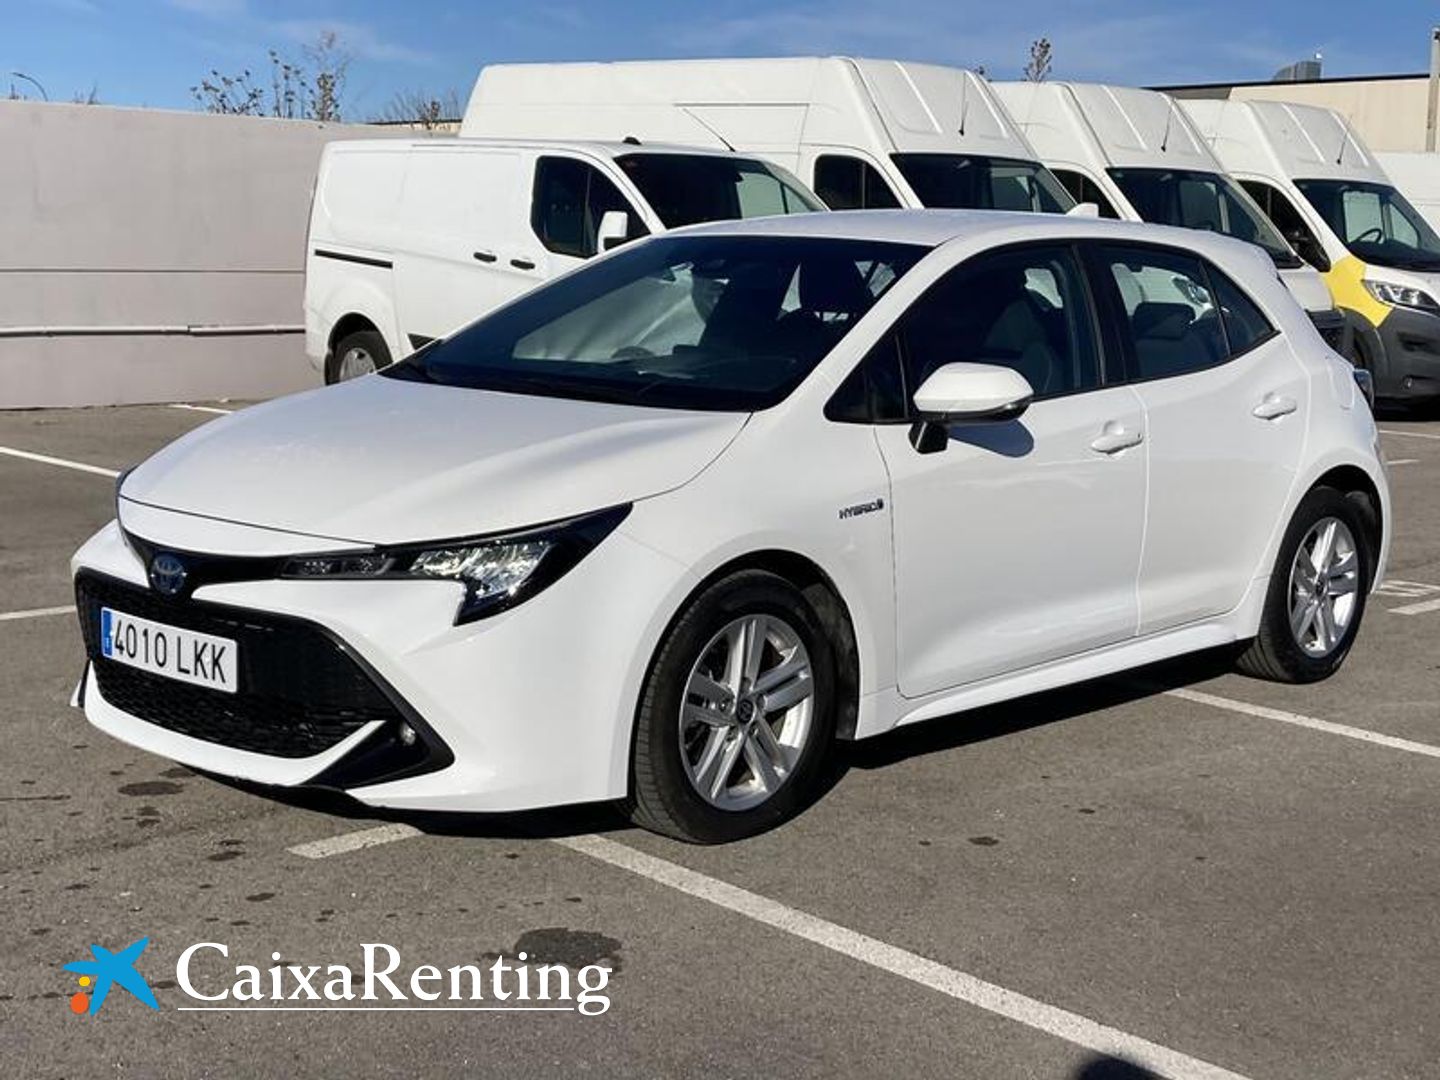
[1401,296]
[497,571]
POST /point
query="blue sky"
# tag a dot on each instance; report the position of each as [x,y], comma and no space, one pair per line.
[149,52]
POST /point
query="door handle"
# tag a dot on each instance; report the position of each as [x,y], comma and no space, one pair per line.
[522,264]
[1115,438]
[484,256]
[1274,406]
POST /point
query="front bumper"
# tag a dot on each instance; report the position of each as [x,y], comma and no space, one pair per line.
[531,707]
[1409,368]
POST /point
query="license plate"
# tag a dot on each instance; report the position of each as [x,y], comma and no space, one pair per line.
[168,650]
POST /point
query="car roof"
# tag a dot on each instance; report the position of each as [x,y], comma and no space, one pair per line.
[931,228]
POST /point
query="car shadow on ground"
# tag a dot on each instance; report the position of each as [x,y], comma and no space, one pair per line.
[931,737]
[1112,1068]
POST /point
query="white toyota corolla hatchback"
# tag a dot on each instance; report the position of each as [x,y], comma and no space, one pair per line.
[664,529]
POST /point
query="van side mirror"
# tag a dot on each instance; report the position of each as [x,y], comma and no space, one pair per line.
[614,230]
[965,394]
[1309,249]
[1084,209]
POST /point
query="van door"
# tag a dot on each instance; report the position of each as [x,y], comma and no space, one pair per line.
[459,218]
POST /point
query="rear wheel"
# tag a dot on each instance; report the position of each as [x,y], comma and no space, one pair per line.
[358,353]
[1317,591]
[737,713]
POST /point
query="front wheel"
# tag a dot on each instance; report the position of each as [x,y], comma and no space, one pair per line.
[737,713]
[1317,591]
[361,352]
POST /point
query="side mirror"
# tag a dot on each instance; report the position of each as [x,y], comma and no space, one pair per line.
[1309,249]
[966,394]
[614,229]
[1084,209]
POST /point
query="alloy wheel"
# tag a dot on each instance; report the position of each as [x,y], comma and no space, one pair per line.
[747,713]
[1324,580]
[355,362]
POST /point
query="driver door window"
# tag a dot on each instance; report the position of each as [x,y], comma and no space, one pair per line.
[571,197]
[850,183]
[1024,309]
[1283,215]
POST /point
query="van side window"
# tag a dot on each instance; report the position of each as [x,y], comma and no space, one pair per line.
[1172,321]
[1283,215]
[570,198]
[851,183]
[1025,309]
[1083,189]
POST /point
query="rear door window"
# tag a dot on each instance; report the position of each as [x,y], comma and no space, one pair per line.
[1180,315]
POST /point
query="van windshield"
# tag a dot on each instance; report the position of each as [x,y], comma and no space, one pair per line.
[1375,222]
[725,323]
[975,182]
[686,189]
[1194,199]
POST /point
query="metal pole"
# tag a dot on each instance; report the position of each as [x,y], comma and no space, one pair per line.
[1434,97]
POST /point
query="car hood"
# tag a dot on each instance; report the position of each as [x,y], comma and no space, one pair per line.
[384,461]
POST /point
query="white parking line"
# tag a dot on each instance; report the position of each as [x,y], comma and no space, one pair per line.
[931,974]
[1403,461]
[1327,726]
[46,459]
[1416,609]
[1409,434]
[353,841]
[36,613]
[201,408]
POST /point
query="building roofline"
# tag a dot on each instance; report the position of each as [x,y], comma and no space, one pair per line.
[1394,77]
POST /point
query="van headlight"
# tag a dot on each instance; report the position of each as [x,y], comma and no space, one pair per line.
[1401,296]
[498,572]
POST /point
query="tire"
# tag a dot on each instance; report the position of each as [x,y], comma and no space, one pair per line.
[352,347]
[670,753]
[1278,652]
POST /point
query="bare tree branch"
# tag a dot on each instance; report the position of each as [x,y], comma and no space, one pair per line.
[421,108]
[310,88]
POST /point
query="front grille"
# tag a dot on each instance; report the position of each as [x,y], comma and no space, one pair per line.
[299,691]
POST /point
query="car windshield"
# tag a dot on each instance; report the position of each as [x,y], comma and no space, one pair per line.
[729,323]
[686,189]
[1194,199]
[974,182]
[1375,222]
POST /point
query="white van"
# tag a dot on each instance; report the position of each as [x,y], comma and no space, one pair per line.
[1136,156]
[410,240]
[863,134]
[1322,187]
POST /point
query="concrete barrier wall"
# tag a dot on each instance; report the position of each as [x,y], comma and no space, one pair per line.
[153,256]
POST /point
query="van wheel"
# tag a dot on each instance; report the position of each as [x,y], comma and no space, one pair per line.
[737,714]
[359,353]
[1317,592]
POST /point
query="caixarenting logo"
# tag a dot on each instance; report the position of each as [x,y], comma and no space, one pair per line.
[97,976]
[379,982]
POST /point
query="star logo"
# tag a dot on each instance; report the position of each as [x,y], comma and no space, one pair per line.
[106,970]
